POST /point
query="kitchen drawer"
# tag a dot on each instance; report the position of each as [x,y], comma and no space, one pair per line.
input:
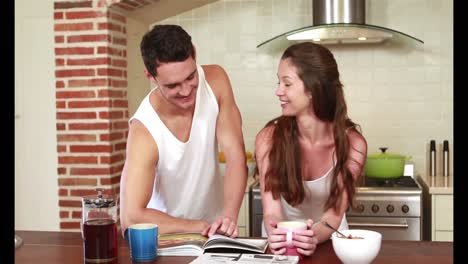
[443,212]
[443,236]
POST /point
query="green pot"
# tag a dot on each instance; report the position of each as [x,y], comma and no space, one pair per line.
[385,165]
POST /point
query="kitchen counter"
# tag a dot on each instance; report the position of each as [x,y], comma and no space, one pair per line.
[66,247]
[250,181]
[437,207]
[437,184]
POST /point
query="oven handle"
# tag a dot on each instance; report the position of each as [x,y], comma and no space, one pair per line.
[403,224]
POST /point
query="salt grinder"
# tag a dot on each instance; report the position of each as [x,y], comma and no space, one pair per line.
[432,158]
[445,157]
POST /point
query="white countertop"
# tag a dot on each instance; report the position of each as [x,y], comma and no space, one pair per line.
[437,184]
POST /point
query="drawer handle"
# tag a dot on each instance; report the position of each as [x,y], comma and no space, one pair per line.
[402,225]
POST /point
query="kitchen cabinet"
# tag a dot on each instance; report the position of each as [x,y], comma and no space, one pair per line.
[438,207]
[442,217]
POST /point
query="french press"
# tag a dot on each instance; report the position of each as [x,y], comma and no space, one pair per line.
[99,228]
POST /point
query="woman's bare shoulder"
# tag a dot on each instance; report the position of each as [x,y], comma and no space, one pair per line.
[357,152]
[265,134]
[357,140]
[263,140]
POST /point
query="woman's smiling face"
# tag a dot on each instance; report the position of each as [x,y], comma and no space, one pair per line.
[291,91]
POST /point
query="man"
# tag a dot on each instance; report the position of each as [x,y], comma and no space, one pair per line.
[171,173]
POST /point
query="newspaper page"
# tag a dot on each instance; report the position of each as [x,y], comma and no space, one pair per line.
[217,258]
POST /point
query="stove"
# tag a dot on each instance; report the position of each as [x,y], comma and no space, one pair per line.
[392,207]
[403,183]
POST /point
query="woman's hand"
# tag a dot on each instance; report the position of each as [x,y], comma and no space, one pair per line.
[276,239]
[305,240]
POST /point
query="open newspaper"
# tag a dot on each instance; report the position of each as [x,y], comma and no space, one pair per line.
[218,258]
[188,244]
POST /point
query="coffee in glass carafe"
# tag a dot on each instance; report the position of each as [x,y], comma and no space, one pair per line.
[99,228]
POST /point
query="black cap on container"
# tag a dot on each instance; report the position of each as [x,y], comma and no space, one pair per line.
[433,145]
[446,146]
[99,201]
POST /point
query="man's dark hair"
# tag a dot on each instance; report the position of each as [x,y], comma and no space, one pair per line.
[165,43]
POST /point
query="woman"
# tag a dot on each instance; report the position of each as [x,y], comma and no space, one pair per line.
[310,157]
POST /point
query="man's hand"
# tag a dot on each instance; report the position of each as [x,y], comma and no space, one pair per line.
[224,226]
[305,240]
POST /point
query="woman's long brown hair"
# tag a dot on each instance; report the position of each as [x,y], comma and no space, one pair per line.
[318,70]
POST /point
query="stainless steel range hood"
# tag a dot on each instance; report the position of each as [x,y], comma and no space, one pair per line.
[341,22]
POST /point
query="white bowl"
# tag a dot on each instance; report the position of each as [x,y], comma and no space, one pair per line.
[357,251]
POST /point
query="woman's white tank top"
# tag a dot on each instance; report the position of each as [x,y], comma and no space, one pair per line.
[316,194]
[187,182]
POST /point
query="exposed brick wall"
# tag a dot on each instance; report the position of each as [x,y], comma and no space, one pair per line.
[91,101]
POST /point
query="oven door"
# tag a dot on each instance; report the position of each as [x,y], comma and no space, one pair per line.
[256,211]
[391,228]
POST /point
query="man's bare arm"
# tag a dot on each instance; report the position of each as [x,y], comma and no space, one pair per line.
[230,138]
[136,186]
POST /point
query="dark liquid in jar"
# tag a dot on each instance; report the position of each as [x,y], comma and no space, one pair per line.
[100,241]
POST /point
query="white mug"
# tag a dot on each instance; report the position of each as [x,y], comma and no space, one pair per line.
[290,227]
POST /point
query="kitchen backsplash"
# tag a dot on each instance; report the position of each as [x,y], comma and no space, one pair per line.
[402,96]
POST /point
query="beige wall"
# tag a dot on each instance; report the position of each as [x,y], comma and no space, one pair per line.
[36,193]
[138,85]
[400,95]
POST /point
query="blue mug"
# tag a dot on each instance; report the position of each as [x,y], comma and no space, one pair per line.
[143,241]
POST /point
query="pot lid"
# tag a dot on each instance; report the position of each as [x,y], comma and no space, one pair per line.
[384,155]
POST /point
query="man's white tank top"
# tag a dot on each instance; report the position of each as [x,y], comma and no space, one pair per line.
[316,194]
[187,182]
